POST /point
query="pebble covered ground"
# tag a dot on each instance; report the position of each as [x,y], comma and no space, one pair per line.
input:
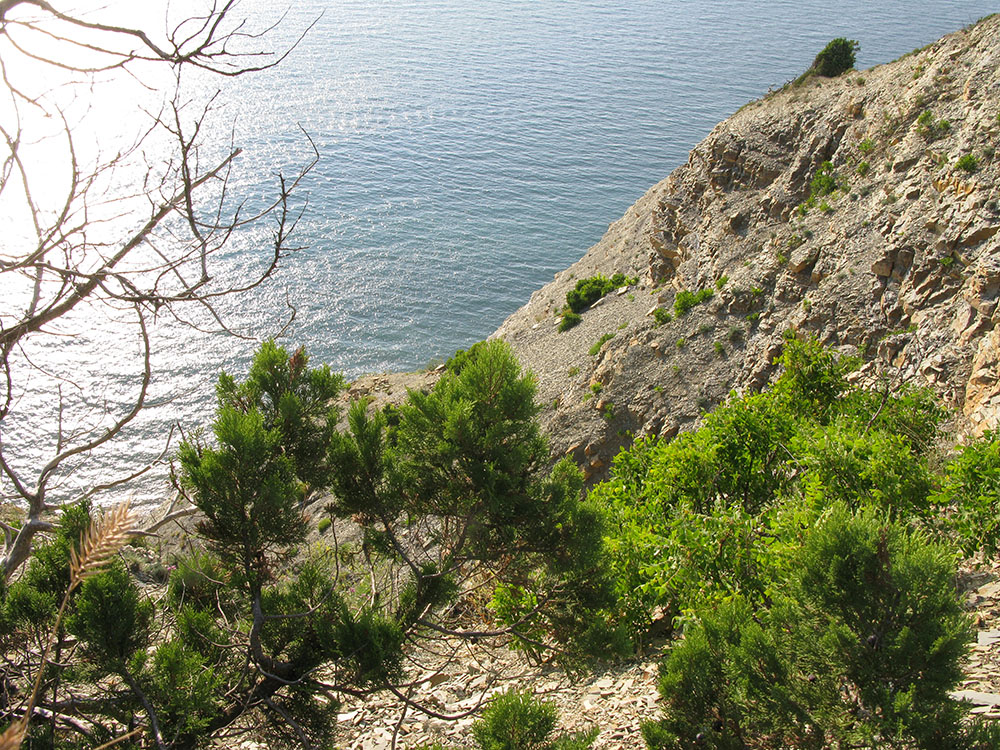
[454,682]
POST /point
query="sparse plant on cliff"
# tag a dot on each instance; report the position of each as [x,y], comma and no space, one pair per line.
[824,182]
[568,320]
[929,128]
[686,300]
[596,348]
[967,163]
[588,291]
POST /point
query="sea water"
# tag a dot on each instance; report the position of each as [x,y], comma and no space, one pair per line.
[467,150]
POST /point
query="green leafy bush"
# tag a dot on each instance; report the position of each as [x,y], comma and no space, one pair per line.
[661,315]
[835,58]
[588,291]
[599,343]
[719,511]
[862,650]
[972,487]
[967,163]
[686,300]
[519,721]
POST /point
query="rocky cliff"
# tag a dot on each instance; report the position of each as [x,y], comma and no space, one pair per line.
[899,264]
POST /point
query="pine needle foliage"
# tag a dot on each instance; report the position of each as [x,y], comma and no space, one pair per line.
[452,498]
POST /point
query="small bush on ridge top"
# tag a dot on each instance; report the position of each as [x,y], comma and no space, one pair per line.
[836,57]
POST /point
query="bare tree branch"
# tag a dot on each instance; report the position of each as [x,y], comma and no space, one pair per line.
[85,247]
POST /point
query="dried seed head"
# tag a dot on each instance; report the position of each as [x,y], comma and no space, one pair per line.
[99,543]
[13,735]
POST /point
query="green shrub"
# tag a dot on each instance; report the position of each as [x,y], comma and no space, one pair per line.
[861,651]
[716,512]
[569,319]
[185,691]
[197,580]
[599,343]
[588,291]
[111,618]
[32,600]
[862,169]
[929,129]
[877,602]
[685,300]
[859,466]
[728,681]
[972,486]
[824,181]
[967,163]
[836,58]
[323,525]
[462,357]
[661,315]
[519,721]
[866,146]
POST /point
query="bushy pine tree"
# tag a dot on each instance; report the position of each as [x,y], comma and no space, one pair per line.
[450,491]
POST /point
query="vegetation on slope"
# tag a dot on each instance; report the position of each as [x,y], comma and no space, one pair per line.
[797,543]
[450,498]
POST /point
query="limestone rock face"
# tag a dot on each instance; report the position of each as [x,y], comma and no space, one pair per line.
[899,265]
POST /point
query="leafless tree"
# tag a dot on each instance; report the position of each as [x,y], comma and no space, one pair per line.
[77,241]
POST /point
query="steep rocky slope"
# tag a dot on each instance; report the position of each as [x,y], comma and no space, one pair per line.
[900,265]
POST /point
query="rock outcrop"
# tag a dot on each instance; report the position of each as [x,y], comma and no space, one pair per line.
[900,265]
